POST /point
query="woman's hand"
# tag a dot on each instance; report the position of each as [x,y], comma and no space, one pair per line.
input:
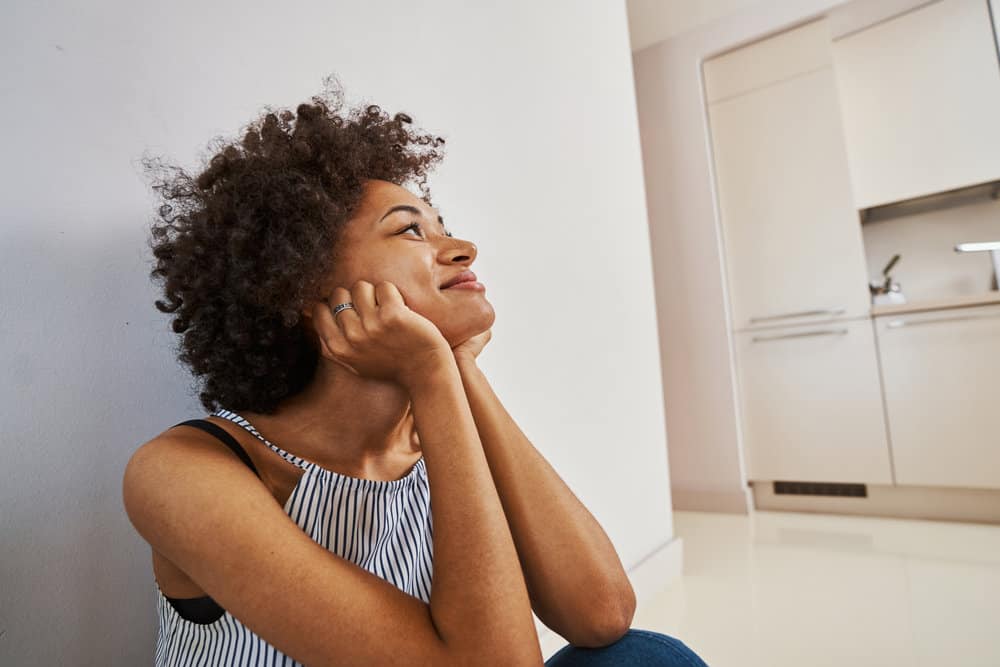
[471,348]
[381,337]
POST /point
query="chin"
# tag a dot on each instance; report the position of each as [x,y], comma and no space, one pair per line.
[456,332]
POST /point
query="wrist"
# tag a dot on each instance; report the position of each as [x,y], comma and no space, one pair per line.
[465,359]
[437,366]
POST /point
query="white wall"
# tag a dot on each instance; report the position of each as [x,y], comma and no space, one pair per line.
[543,171]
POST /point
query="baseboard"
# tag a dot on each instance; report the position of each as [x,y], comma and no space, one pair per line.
[695,500]
[903,502]
[657,570]
[649,577]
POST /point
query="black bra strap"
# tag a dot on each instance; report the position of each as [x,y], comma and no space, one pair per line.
[224,436]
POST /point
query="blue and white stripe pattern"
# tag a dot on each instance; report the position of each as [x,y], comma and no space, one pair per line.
[382,526]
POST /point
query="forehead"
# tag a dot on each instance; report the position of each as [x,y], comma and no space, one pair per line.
[379,196]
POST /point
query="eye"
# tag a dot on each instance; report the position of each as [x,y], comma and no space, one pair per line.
[413,225]
[416,226]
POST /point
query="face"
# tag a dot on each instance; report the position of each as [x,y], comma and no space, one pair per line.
[395,236]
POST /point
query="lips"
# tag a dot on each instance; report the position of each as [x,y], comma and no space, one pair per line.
[464,276]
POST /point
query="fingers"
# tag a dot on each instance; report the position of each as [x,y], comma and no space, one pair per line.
[341,332]
[387,294]
[347,320]
[331,329]
[363,296]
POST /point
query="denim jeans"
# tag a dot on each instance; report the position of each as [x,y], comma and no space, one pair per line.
[636,647]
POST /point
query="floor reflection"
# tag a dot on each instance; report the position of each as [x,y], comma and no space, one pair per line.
[776,589]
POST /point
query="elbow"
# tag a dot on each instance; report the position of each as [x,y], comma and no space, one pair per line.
[614,621]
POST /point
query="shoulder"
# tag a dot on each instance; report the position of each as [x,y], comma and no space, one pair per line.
[181,445]
[175,464]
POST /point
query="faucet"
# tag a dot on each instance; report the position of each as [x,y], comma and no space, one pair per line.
[993,247]
[889,291]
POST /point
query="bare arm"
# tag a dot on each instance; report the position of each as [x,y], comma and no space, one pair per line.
[479,600]
[575,578]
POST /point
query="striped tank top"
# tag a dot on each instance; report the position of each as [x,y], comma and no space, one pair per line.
[380,525]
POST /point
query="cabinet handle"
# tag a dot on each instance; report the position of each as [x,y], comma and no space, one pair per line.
[806,334]
[896,324]
[830,311]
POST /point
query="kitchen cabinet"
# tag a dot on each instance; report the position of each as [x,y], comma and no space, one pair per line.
[940,372]
[811,405]
[791,236]
[920,97]
[770,60]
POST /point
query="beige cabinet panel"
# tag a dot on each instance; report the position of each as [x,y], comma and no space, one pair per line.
[811,404]
[792,238]
[941,374]
[767,61]
[920,95]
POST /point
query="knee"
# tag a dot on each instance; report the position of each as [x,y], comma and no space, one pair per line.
[635,647]
[671,650]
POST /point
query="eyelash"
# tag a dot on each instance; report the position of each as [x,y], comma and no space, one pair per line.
[416,225]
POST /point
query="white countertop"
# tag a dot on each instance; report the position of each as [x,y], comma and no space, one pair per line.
[936,304]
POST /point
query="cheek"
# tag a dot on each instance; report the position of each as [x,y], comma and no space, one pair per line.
[416,284]
[418,294]
[414,278]
[375,272]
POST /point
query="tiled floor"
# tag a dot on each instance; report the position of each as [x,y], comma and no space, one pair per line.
[786,589]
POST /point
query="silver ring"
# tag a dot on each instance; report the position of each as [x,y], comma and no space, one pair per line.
[342,306]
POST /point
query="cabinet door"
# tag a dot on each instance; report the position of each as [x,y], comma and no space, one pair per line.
[921,98]
[811,404]
[941,372]
[791,235]
[766,61]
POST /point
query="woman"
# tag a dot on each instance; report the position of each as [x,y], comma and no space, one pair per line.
[336,323]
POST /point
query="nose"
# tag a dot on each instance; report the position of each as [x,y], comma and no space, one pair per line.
[461,251]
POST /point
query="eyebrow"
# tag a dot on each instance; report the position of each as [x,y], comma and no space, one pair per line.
[406,207]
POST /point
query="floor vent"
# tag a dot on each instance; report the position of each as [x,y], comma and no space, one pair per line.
[821,489]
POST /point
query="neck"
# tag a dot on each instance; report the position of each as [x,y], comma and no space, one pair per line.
[341,421]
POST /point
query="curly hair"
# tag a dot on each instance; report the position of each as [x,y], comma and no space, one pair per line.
[244,245]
